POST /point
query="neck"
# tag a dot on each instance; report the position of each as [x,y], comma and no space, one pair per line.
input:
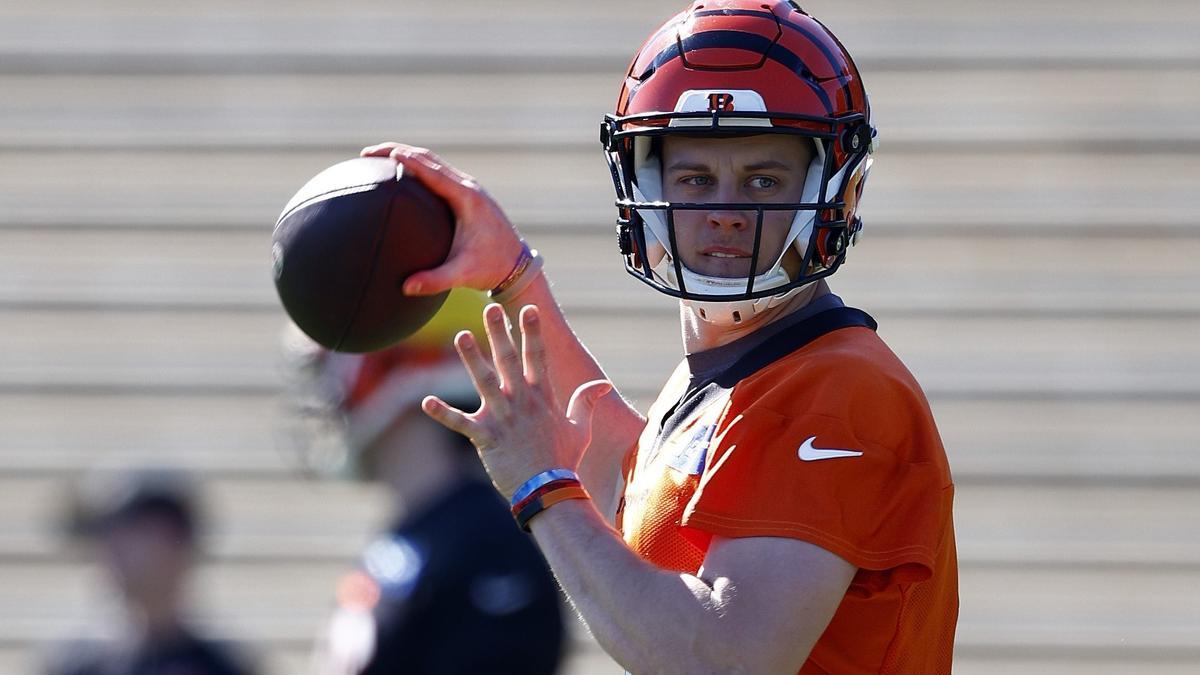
[157,618]
[700,335]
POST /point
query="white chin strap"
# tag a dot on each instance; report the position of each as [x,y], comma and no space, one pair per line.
[648,175]
[732,312]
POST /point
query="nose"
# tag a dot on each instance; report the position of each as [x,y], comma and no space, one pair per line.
[731,220]
[729,191]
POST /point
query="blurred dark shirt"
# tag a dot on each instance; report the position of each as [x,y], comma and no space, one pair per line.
[463,590]
[186,655]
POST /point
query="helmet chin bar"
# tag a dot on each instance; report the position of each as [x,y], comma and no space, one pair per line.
[725,300]
[726,312]
[644,218]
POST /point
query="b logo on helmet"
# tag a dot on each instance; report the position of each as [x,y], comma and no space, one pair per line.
[720,102]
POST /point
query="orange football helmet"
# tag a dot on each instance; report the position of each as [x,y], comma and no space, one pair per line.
[740,67]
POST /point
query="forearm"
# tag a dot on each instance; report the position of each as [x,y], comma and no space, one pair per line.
[648,619]
[574,365]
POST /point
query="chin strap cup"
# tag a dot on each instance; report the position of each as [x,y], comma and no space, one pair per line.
[726,313]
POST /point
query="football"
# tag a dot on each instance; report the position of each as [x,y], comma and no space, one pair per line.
[344,245]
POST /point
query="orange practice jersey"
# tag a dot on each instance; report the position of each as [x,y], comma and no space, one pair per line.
[772,451]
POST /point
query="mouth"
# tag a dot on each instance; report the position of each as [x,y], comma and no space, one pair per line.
[725,252]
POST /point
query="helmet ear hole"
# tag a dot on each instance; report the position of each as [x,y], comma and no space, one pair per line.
[624,239]
[856,138]
[836,240]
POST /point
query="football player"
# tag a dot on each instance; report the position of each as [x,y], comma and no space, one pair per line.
[452,586]
[147,530]
[785,506]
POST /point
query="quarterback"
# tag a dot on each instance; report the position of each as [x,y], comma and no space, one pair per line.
[785,505]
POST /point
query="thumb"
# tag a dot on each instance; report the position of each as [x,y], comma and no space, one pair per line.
[583,401]
[444,277]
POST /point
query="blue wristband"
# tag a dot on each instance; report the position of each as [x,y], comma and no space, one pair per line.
[531,485]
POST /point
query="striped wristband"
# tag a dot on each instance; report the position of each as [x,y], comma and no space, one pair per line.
[546,500]
[539,480]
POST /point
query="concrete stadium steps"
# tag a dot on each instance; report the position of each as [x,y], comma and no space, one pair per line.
[282,602]
[1030,252]
[1031,607]
[143,37]
[1005,662]
[257,521]
[937,191]
[1079,109]
[589,660]
[1044,440]
[1087,526]
[253,521]
[1039,441]
[1041,356]
[1143,609]
[583,657]
[889,271]
[63,432]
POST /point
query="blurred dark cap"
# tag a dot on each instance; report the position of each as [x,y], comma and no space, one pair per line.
[109,500]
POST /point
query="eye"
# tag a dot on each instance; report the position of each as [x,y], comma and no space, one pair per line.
[698,180]
[763,183]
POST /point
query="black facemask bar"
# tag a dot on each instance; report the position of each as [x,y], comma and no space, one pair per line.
[829,227]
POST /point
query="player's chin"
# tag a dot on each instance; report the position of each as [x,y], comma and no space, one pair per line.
[724,268]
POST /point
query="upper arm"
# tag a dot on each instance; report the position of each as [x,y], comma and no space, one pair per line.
[776,595]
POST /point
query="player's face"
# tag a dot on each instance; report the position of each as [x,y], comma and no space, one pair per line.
[750,169]
[146,556]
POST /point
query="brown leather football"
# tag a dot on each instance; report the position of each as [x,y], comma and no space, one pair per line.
[344,245]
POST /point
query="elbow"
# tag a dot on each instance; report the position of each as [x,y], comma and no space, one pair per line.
[741,657]
[691,644]
[734,656]
[722,644]
[729,645]
[715,647]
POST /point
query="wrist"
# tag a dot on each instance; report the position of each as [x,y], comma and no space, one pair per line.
[538,481]
[527,268]
[567,512]
[543,490]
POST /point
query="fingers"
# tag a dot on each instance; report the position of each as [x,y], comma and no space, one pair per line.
[485,241]
[444,180]
[378,150]
[504,352]
[487,383]
[456,187]
[533,347]
[456,420]
[583,401]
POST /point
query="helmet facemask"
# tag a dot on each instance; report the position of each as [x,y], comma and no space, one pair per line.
[647,225]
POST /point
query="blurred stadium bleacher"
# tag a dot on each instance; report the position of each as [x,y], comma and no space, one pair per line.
[1032,252]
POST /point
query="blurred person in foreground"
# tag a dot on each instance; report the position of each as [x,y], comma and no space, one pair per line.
[786,504]
[453,586]
[145,526]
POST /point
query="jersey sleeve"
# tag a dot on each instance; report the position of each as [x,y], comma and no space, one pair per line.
[831,480]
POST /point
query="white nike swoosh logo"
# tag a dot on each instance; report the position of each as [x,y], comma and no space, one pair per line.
[810,454]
